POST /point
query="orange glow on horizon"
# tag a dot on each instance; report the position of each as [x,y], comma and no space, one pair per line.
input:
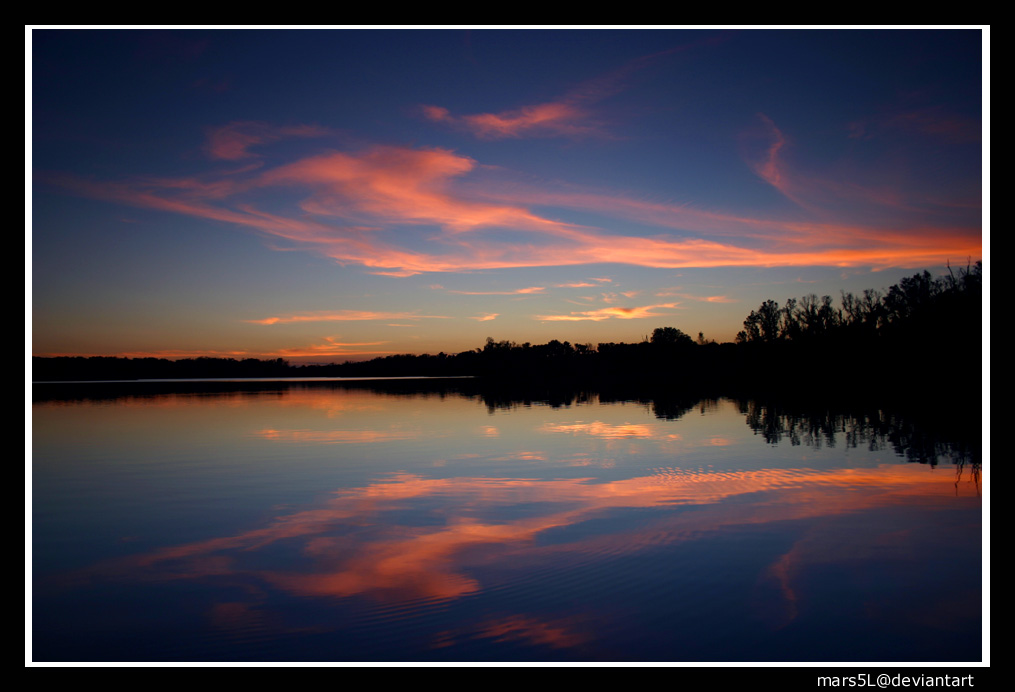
[346,316]
[621,313]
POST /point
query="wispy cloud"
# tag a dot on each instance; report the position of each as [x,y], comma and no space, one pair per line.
[677,293]
[333,347]
[825,195]
[620,313]
[557,634]
[232,142]
[568,116]
[516,292]
[346,316]
[487,317]
[763,234]
[545,119]
[356,207]
[933,122]
[771,168]
[401,185]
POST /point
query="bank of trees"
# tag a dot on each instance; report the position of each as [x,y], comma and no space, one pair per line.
[116,368]
[918,307]
[914,331]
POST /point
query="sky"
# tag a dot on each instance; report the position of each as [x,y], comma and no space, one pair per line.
[324,195]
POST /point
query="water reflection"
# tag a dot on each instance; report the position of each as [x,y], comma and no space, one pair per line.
[337,436]
[606,430]
[364,524]
[920,431]
[358,542]
[907,434]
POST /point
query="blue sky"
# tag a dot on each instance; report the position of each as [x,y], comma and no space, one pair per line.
[334,194]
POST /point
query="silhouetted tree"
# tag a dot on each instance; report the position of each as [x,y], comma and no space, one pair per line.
[670,336]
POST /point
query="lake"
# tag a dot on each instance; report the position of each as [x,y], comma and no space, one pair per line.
[436,521]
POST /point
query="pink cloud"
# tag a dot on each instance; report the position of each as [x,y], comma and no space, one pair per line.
[231,142]
[354,204]
[601,314]
[567,116]
[689,296]
[931,122]
[689,219]
[820,194]
[332,347]
[516,292]
[545,119]
[771,169]
[402,185]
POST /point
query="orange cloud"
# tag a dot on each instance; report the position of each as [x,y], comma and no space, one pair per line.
[609,313]
[401,185]
[357,203]
[688,296]
[332,347]
[759,238]
[555,118]
[567,116]
[519,291]
[347,316]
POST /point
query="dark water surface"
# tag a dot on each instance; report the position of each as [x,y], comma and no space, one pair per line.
[349,522]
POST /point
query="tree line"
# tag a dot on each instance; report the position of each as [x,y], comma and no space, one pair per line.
[918,330]
[916,307]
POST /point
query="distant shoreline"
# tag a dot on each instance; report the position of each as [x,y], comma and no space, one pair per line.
[295,378]
[923,334]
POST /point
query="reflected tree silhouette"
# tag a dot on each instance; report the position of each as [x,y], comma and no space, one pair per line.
[919,431]
[918,435]
[974,475]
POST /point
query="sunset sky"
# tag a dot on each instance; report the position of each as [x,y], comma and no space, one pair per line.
[324,195]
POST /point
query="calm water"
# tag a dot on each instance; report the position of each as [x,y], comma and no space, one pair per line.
[320,522]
